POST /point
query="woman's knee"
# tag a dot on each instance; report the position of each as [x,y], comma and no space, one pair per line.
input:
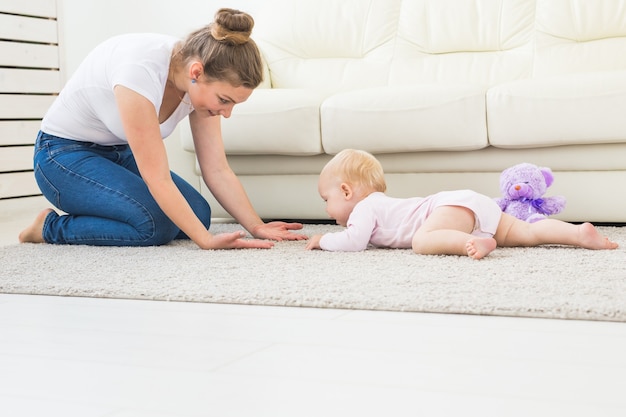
[152,227]
[159,232]
[162,230]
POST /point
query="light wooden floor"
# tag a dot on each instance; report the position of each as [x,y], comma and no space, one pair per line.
[84,357]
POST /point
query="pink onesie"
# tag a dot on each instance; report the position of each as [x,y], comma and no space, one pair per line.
[390,222]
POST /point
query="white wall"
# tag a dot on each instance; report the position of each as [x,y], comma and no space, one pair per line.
[85,23]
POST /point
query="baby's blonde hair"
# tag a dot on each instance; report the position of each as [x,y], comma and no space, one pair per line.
[357,168]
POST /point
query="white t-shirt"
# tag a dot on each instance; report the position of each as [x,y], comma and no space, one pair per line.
[86,109]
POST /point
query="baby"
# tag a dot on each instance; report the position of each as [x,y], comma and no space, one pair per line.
[459,222]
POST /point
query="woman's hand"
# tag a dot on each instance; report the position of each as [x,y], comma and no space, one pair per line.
[278,231]
[235,240]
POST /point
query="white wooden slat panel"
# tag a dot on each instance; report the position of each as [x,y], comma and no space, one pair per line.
[29,55]
[18,132]
[31,81]
[44,8]
[18,184]
[16,106]
[16,158]
[30,29]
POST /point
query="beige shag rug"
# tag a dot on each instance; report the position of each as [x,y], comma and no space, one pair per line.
[550,281]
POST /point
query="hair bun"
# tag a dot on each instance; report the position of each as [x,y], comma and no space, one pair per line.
[232,26]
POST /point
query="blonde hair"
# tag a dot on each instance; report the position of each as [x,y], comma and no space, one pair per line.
[357,168]
[226,50]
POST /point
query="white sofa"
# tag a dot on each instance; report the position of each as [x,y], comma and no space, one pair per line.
[446,93]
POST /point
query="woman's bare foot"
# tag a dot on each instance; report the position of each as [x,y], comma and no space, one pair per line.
[591,239]
[479,247]
[34,232]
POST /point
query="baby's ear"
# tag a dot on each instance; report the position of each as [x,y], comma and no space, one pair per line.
[346,189]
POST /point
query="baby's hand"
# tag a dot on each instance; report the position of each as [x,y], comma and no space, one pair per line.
[314,242]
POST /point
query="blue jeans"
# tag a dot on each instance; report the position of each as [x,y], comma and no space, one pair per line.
[107,201]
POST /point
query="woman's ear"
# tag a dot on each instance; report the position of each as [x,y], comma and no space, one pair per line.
[195,70]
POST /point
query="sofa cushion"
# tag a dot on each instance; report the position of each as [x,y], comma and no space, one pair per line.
[579,36]
[572,109]
[480,41]
[336,45]
[406,119]
[276,121]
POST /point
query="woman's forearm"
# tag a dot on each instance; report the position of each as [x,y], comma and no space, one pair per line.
[229,192]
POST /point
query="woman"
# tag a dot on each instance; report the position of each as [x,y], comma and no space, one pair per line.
[100,157]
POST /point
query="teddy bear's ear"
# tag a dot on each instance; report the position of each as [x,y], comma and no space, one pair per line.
[547,174]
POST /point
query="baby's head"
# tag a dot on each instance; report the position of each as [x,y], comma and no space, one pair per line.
[347,179]
[357,168]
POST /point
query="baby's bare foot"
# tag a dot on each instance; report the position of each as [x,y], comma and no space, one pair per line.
[590,238]
[34,232]
[480,247]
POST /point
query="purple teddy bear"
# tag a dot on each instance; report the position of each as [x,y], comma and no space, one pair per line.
[522,187]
